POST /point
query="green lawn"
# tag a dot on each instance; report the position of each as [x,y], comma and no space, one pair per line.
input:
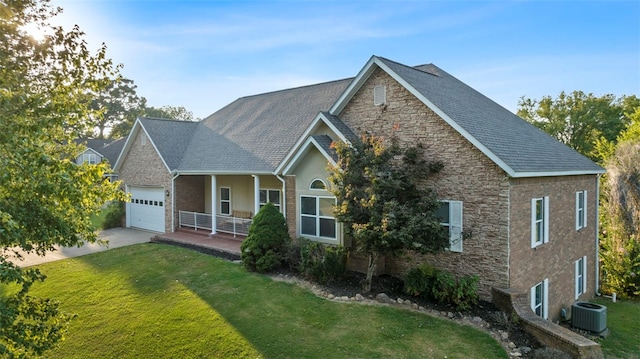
[157,301]
[623,321]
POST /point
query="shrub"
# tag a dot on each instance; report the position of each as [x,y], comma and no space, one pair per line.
[419,281]
[265,247]
[113,216]
[321,263]
[460,293]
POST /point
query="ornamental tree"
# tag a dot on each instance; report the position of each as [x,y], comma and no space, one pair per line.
[383,201]
[45,199]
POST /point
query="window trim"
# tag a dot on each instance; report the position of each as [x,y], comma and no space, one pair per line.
[544,297]
[535,240]
[580,278]
[317,217]
[581,212]
[86,158]
[277,205]
[316,180]
[454,230]
[225,201]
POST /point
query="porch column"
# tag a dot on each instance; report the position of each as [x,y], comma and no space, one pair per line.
[256,194]
[214,204]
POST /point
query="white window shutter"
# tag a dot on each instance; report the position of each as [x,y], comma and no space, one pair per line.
[533,222]
[533,298]
[578,214]
[455,225]
[584,274]
[576,279]
[545,301]
[546,219]
[584,210]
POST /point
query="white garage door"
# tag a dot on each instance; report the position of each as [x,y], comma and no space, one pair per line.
[146,209]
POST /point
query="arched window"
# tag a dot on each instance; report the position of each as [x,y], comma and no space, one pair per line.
[317,184]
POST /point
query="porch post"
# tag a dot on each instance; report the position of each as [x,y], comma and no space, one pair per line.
[256,194]
[214,204]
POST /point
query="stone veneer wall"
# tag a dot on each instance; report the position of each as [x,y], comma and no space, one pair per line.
[290,203]
[468,176]
[554,260]
[142,167]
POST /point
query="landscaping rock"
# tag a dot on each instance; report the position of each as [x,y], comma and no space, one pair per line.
[359,297]
[511,345]
[383,298]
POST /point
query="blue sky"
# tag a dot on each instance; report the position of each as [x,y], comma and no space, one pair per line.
[204,54]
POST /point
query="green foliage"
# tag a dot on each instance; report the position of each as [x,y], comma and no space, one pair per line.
[620,265]
[382,199]
[427,282]
[321,263]
[264,248]
[116,104]
[578,119]
[419,281]
[115,211]
[45,198]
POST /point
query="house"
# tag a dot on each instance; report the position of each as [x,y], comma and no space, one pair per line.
[526,204]
[98,150]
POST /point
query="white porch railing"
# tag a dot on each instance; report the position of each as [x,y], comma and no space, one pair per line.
[227,224]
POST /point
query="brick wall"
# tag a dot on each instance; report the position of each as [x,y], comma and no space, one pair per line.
[468,176]
[290,203]
[554,260]
[190,193]
[142,166]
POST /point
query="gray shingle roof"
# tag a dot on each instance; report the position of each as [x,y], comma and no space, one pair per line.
[520,145]
[341,126]
[170,137]
[112,150]
[325,142]
[255,133]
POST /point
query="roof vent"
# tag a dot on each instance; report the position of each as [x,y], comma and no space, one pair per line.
[379,95]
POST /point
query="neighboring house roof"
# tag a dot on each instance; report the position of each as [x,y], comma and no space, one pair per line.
[254,134]
[112,150]
[518,147]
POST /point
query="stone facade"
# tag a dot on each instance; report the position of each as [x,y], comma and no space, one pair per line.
[468,176]
[556,259]
[143,167]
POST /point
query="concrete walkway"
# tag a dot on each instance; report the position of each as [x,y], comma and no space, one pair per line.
[116,237]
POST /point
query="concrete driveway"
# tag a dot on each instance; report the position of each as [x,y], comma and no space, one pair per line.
[117,237]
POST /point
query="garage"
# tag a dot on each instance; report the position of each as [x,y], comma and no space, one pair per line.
[146,208]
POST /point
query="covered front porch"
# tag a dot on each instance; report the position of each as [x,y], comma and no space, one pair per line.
[221,244]
[223,203]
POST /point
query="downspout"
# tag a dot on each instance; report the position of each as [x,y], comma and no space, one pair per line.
[173,202]
[284,197]
[597,260]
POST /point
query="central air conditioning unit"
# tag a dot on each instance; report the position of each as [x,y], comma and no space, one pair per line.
[589,316]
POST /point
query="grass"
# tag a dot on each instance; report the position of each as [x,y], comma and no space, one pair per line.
[159,301]
[623,321]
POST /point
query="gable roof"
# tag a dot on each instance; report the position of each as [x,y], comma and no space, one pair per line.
[112,150]
[254,134]
[516,146]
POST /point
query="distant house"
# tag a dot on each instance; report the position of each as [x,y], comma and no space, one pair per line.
[526,202]
[98,150]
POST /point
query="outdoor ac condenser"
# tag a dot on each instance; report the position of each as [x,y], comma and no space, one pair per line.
[589,316]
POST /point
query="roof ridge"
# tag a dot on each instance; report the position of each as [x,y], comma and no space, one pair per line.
[295,88]
[165,119]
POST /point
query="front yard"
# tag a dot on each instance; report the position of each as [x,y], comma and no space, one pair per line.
[623,321]
[159,301]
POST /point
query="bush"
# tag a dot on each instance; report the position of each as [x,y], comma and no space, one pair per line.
[264,248]
[427,282]
[321,263]
[113,216]
[419,281]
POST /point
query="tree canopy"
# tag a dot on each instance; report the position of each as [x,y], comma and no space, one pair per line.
[115,104]
[46,200]
[578,119]
[383,200]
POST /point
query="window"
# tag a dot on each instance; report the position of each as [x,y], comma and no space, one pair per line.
[450,214]
[539,221]
[89,157]
[581,209]
[270,195]
[225,200]
[581,276]
[317,184]
[316,217]
[379,95]
[540,298]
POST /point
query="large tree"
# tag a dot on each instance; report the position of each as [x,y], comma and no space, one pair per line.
[383,200]
[115,104]
[178,113]
[578,119]
[45,199]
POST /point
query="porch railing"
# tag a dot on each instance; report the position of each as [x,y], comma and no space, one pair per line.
[226,224]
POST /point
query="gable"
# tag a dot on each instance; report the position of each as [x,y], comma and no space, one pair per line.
[139,150]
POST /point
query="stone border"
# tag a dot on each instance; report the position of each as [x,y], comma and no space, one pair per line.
[548,333]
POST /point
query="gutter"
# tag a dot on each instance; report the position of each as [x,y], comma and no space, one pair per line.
[284,197]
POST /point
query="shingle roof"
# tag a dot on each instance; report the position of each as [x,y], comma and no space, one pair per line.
[520,145]
[325,142]
[255,133]
[112,150]
[341,126]
[170,137]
